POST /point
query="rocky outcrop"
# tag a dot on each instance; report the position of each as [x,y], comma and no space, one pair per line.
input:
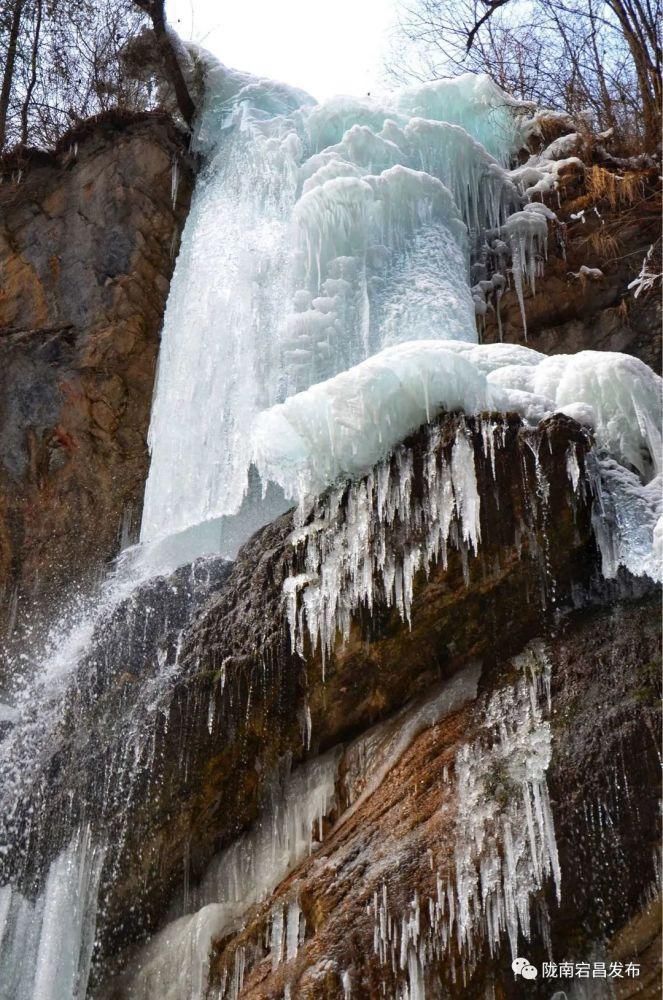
[390,861]
[480,747]
[246,701]
[88,239]
[609,223]
[500,708]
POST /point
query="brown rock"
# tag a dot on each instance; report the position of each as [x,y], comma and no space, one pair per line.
[568,314]
[85,265]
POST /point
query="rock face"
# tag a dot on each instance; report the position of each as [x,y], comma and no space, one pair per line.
[188,717]
[263,697]
[418,801]
[373,902]
[282,809]
[604,229]
[88,239]
[472,784]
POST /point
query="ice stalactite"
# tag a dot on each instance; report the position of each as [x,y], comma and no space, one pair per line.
[369,539]
[341,429]
[505,846]
[524,238]
[505,852]
[175,962]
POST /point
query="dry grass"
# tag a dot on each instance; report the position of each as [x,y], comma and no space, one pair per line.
[603,244]
[619,190]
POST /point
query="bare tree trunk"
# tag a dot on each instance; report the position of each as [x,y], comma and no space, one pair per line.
[25,110]
[155,10]
[608,109]
[10,65]
[640,29]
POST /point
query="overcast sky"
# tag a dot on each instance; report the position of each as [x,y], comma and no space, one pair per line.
[323,46]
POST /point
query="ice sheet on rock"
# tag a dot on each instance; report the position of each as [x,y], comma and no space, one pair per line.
[620,398]
[371,756]
[623,393]
[628,520]
[46,944]
[473,101]
[288,830]
[175,963]
[540,175]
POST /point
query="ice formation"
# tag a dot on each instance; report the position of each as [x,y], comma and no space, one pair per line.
[353,773]
[339,430]
[46,943]
[505,846]
[175,962]
[372,537]
[318,235]
[323,282]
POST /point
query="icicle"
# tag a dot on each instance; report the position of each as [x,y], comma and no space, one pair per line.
[352,554]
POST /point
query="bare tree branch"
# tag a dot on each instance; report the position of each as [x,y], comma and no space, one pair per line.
[493,6]
[155,9]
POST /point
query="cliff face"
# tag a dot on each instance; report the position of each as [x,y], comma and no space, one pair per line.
[244,695]
[375,902]
[88,239]
[275,822]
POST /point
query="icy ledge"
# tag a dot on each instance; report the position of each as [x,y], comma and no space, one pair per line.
[341,429]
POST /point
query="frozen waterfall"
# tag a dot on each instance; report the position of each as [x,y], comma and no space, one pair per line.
[318,235]
[321,309]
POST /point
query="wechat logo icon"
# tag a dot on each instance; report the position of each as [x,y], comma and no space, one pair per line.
[521,967]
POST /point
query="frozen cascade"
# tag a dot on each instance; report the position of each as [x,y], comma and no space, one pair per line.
[174,964]
[47,937]
[318,235]
[334,432]
[320,311]
[46,944]
[326,254]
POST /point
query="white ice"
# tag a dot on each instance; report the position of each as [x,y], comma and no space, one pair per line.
[339,429]
[318,235]
[46,943]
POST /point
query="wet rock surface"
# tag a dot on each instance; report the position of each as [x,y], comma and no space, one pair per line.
[396,848]
[240,671]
